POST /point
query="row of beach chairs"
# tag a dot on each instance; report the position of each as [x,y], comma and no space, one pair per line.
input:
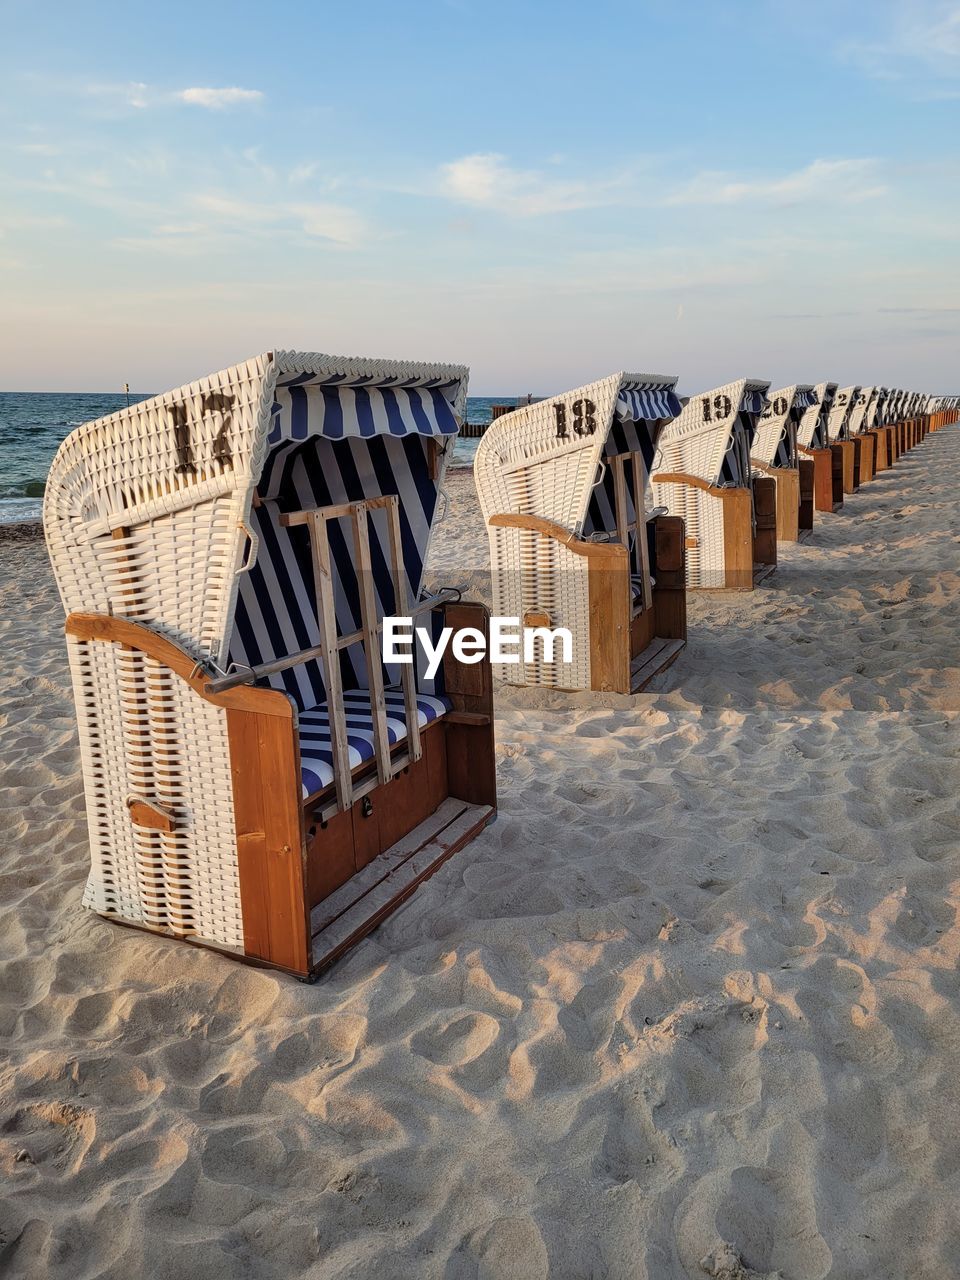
[258,780]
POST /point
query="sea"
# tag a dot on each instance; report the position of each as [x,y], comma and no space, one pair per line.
[32,424]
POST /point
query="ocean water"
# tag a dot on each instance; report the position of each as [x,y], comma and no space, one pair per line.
[32,424]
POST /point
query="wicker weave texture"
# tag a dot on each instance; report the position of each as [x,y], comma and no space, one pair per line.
[534,573]
[523,467]
[772,424]
[857,422]
[145,735]
[815,415]
[697,440]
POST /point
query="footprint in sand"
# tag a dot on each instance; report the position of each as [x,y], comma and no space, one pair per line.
[456,1041]
[52,1137]
[770,1216]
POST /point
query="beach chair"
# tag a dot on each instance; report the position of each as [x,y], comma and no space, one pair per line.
[839,436]
[874,426]
[774,453]
[813,442]
[573,541]
[702,472]
[943,411]
[864,440]
[256,779]
[893,419]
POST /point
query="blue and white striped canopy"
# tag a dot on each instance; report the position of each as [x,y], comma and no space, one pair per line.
[338,411]
[753,402]
[647,404]
[804,399]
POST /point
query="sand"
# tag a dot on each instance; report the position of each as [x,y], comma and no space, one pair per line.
[689,1008]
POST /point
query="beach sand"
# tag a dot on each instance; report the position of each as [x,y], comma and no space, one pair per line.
[688,1008]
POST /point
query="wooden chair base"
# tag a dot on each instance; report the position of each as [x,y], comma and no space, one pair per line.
[788,504]
[368,897]
[848,456]
[807,506]
[827,478]
[866,462]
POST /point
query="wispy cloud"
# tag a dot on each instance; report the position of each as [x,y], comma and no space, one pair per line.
[130,93]
[487,181]
[920,33]
[336,224]
[137,94]
[844,181]
[219,99]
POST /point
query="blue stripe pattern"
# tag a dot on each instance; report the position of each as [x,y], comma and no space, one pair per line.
[624,437]
[647,404]
[753,402]
[338,411]
[316,749]
[276,611]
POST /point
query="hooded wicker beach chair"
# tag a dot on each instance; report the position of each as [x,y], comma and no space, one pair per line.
[256,779]
[838,434]
[918,419]
[942,411]
[774,453]
[876,426]
[703,473]
[864,440]
[813,442]
[893,419]
[573,541]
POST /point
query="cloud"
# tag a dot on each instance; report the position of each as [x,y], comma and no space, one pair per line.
[836,181]
[130,93]
[337,224]
[922,33]
[487,181]
[218,99]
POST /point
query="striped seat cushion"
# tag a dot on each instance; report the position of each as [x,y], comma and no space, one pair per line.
[316,751]
[636,586]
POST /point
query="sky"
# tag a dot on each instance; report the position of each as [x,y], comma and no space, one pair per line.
[546,192]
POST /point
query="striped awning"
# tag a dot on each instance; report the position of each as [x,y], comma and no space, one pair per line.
[647,404]
[753,402]
[805,399]
[338,411]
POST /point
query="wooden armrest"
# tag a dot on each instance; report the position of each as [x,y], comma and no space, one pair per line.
[596,551]
[101,626]
[694,482]
[766,468]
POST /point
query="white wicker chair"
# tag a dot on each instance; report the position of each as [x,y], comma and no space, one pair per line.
[774,453]
[858,430]
[702,472]
[572,541]
[943,410]
[252,529]
[838,433]
[813,444]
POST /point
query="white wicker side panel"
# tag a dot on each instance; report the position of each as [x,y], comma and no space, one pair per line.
[769,433]
[145,734]
[703,522]
[535,573]
[154,571]
[180,466]
[523,466]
